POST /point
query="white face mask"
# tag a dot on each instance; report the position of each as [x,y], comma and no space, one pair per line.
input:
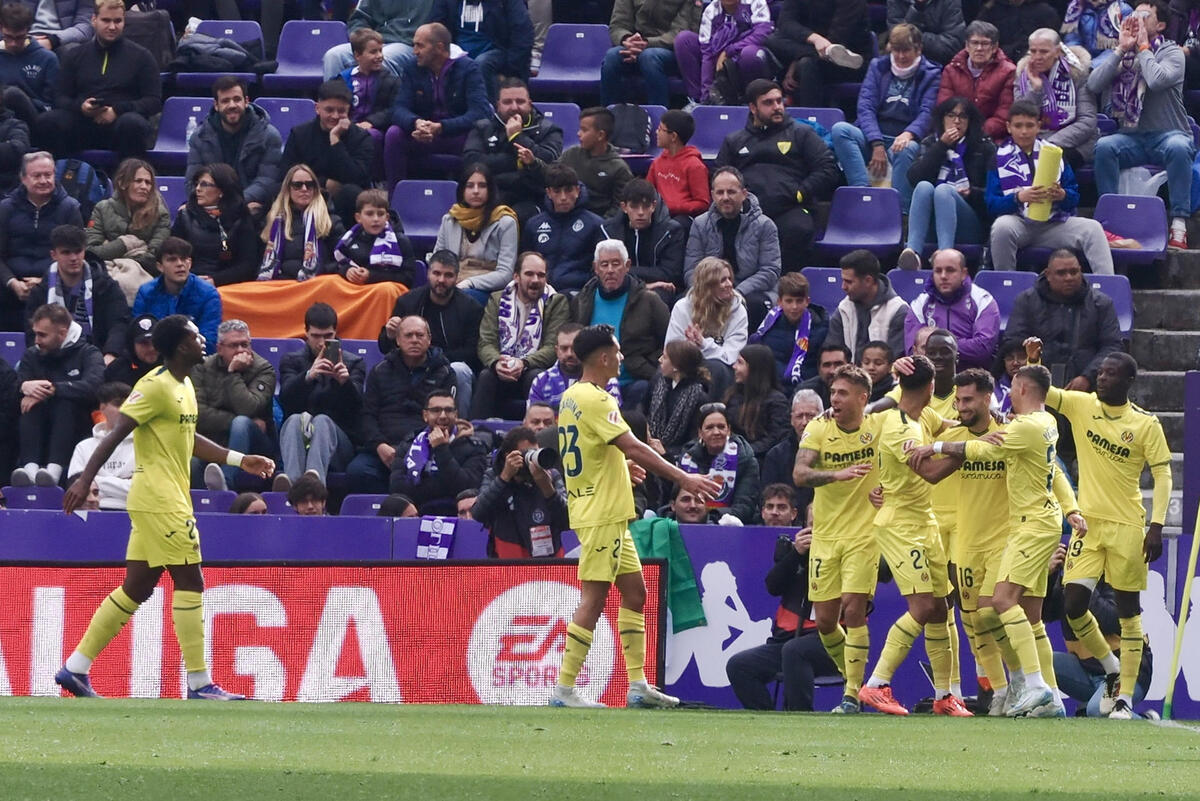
[907,72]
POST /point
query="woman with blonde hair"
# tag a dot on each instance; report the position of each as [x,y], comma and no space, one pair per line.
[300,231]
[127,229]
[713,317]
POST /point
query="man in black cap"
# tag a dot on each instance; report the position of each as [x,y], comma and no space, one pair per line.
[138,356]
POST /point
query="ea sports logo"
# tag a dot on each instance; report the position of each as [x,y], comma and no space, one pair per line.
[517,644]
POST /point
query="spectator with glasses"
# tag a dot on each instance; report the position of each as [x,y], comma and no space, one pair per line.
[981,73]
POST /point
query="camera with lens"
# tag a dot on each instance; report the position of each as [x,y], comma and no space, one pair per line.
[544,458]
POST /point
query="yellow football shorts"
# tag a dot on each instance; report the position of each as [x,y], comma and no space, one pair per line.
[1026,559]
[916,558]
[839,565]
[607,552]
[1112,549]
[163,538]
[977,576]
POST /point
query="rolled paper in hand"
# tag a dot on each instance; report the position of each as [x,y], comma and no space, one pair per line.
[1048,168]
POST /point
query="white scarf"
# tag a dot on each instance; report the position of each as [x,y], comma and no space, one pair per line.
[907,72]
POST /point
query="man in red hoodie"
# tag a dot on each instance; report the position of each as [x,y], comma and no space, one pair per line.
[982,73]
[678,173]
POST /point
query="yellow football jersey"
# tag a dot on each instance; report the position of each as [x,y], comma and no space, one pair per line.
[1028,452]
[843,508]
[165,410]
[982,493]
[1113,443]
[597,478]
[906,496]
[945,492]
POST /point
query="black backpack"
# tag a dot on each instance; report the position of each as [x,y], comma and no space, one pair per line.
[152,29]
[631,129]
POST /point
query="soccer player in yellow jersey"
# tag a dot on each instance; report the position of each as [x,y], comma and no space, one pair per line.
[593,443]
[161,414]
[1114,440]
[1027,446]
[906,531]
[837,458]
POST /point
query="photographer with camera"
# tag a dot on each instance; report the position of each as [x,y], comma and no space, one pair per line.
[440,460]
[522,501]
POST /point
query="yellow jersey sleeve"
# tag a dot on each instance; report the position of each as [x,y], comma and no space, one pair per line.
[842,509]
[1028,451]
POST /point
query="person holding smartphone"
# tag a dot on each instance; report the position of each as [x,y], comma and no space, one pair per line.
[321,392]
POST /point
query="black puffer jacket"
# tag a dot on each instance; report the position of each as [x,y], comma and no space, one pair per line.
[395,397]
[780,160]
[488,143]
[455,326]
[978,159]
[460,466]
[656,252]
[76,369]
[224,248]
[110,312]
[342,403]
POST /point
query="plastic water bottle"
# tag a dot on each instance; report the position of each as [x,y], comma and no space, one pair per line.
[191,128]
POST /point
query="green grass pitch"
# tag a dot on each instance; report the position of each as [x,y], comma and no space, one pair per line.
[64,749]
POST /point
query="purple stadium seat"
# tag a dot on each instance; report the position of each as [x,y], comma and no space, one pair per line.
[287,112]
[1004,286]
[277,503]
[565,116]
[273,350]
[571,60]
[240,31]
[361,505]
[862,217]
[302,46]
[171,149]
[496,425]
[827,117]
[1117,288]
[12,345]
[1105,124]
[909,283]
[421,205]
[368,349]
[824,286]
[173,189]
[713,124]
[33,497]
[206,500]
[1136,217]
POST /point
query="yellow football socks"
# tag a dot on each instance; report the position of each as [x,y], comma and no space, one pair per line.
[1020,634]
[835,646]
[187,613]
[858,643]
[107,622]
[1045,654]
[937,648]
[631,626]
[900,638]
[955,672]
[987,651]
[1087,631]
[579,640]
[1131,654]
[989,621]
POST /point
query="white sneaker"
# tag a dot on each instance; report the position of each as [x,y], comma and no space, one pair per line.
[843,56]
[1112,689]
[566,696]
[23,476]
[1030,699]
[282,483]
[1121,711]
[1052,709]
[909,260]
[690,106]
[648,696]
[214,479]
[996,707]
[48,476]
[1016,686]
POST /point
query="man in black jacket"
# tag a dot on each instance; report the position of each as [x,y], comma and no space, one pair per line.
[793,648]
[453,318]
[341,153]
[778,464]
[440,460]
[943,29]
[394,402]
[59,377]
[522,506]
[321,393]
[516,143]
[655,240]
[786,165]
[108,89]
[10,408]
[94,300]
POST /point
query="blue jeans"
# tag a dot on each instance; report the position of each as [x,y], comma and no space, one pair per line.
[246,437]
[1084,687]
[654,64]
[491,65]
[953,220]
[327,446]
[1172,149]
[853,153]
[367,475]
[464,381]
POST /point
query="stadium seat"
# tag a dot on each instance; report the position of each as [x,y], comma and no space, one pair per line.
[565,116]
[827,117]
[361,505]
[277,503]
[367,349]
[33,497]
[240,31]
[302,46]
[1004,286]
[206,500]
[421,205]
[1117,288]
[713,124]
[824,286]
[1135,217]
[273,350]
[171,148]
[862,217]
[287,112]
[909,283]
[173,189]
[1105,124]
[12,345]
[571,60]
[496,425]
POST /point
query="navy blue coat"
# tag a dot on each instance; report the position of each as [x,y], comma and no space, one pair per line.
[567,241]
[505,24]
[464,97]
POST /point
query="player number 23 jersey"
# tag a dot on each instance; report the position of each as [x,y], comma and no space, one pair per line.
[594,470]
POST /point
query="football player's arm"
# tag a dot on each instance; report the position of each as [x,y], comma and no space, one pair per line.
[1064,493]
[78,491]
[804,475]
[647,457]
[208,451]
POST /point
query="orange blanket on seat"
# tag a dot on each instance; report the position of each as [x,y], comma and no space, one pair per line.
[275,309]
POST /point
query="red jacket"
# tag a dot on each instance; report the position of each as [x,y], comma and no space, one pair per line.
[682,180]
[991,92]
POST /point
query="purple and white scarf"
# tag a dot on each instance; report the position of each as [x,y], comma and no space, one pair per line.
[516,339]
[1058,90]
[272,261]
[954,170]
[417,461]
[795,365]
[549,386]
[54,295]
[435,539]
[1108,21]
[385,252]
[724,467]
[1016,170]
[1129,88]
